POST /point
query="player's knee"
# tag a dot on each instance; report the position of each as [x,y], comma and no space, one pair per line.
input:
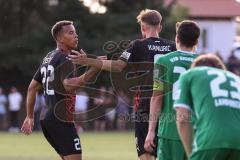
[73,157]
[147,156]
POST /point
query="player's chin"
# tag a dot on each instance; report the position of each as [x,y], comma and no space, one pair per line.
[74,46]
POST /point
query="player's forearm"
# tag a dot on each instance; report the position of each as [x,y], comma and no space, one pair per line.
[73,84]
[186,134]
[30,104]
[107,65]
[155,109]
[33,88]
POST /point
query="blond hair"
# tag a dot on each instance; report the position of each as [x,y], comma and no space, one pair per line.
[150,17]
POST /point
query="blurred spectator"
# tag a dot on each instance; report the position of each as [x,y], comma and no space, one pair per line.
[15,100]
[233,63]
[110,111]
[122,111]
[100,103]
[236,52]
[81,105]
[3,109]
[39,104]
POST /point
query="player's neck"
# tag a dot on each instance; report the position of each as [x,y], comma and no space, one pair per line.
[152,34]
[183,48]
[63,48]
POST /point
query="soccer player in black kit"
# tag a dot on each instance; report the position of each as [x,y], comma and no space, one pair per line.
[56,76]
[142,52]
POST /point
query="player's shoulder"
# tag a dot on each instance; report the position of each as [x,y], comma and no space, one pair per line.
[54,57]
[49,57]
[227,73]
[166,41]
[60,57]
[137,41]
[198,71]
[167,57]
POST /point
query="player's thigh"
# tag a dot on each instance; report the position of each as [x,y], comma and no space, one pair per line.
[73,157]
[170,150]
[46,129]
[141,129]
[68,140]
[212,154]
[64,138]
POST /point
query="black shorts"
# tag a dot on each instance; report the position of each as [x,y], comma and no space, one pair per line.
[141,130]
[62,136]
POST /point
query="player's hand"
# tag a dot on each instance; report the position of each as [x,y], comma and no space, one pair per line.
[27,126]
[78,57]
[149,142]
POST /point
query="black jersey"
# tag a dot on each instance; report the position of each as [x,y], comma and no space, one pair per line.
[54,69]
[142,53]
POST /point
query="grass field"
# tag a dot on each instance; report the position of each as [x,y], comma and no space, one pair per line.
[96,146]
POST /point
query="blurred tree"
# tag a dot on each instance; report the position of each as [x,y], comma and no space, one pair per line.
[25,30]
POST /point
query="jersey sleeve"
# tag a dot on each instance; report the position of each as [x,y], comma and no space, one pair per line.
[184,97]
[129,54]
[38,76]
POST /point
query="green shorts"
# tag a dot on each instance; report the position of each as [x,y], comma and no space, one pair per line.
[216,154]
[170,150]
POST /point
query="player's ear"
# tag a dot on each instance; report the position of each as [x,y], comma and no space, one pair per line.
[196,42]
[177,39]
[159,27]
[60,37]
[177,25]
[143,28]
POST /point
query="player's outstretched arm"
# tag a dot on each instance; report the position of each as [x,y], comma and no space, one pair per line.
[28,123]
[155,109]
[73,84]
[185,129]
[107,65]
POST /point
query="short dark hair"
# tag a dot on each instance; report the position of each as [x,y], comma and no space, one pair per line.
[151,17]
[188,33]
[210,60]
[57,27]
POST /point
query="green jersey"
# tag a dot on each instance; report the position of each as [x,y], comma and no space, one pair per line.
[214,96]
[167,70]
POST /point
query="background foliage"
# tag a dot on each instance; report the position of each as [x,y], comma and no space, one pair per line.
[25,30]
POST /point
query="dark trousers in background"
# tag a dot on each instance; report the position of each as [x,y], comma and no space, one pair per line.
[14,118]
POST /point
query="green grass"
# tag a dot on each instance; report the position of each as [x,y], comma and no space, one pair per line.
[96,146]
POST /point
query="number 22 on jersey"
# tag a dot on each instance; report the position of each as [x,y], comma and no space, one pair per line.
[48,76]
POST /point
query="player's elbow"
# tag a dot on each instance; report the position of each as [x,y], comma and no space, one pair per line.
[34,87]
[119,66]
[180,127]
[67,86]
[31,89]
[71,85]
[118,69]
[182,123]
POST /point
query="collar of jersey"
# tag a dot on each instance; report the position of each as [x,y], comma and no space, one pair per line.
[186,52]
